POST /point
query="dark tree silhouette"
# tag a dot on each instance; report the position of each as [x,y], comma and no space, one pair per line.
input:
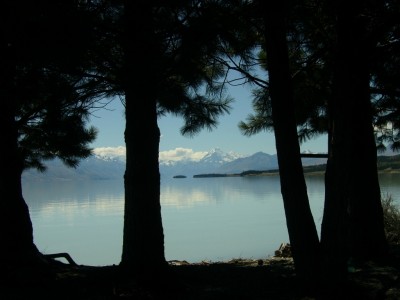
[355,221]
[143,244]
[352,224]
[300,223]
[15,226]
[45,107]
[166,79]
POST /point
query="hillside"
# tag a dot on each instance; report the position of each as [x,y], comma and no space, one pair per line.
[214,162]
[387,164]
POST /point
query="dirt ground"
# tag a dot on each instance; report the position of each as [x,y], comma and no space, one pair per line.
[272,278]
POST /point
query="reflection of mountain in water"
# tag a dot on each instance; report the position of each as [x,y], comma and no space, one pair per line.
[102,196]
[200,191]
[203,219]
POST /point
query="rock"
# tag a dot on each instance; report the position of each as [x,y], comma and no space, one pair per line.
[284,250]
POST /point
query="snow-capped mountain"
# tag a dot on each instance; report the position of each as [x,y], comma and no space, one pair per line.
[209,163]
[217,156]
[258,161]
[106,166]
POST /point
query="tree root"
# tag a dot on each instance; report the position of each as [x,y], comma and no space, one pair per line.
[63,255]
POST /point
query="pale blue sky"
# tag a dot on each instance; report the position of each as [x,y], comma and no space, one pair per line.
[226,136]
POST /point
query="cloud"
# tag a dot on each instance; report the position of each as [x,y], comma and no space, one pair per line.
[174,154]
[119,151]
[181,154]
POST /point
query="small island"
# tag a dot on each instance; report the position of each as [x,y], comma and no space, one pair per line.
[179,176]
[210,175]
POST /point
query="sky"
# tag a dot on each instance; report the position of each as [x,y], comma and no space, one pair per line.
[110,123]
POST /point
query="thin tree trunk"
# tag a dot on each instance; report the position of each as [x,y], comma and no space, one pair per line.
[335,223]
[301,227]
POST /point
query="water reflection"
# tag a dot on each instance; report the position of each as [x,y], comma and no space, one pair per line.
[75,197]
[203,218]
[209,191]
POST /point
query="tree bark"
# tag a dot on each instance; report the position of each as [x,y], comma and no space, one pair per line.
[143,238]
[18,246]
[367,233]
[300,223]
[352,226]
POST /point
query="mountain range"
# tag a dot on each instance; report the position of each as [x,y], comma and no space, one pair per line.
[99,167]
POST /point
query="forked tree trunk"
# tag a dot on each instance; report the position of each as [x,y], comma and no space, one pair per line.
[352,226]
[367,233]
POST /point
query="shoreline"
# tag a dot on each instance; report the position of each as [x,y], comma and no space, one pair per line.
[275,173]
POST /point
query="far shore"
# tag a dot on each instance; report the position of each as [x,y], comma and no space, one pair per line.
[276,172]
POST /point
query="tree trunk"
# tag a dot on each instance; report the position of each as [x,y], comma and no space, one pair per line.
[300,223]
[352,224]
[143,238]
[18,247]
[367,235]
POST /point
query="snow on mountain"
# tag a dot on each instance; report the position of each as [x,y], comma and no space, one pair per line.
[209,163]
[217,156]
[258,161]
[109,165]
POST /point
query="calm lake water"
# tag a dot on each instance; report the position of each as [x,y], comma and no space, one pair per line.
[204,218]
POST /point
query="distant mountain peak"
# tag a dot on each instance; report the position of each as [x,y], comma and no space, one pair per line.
[108,164]
[260,153]
[110,157]
[216,155]
[216,149]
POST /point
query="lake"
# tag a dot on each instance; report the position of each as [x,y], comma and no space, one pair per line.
[211,219]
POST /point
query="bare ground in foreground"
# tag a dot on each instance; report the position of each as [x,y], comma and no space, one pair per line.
[272,278]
